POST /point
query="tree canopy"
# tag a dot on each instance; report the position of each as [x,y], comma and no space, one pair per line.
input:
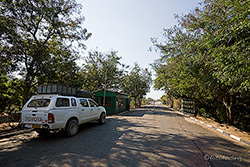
[206,56]
[137,83]
[102,69]
[38,36]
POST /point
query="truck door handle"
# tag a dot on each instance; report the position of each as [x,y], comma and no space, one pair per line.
[82,109]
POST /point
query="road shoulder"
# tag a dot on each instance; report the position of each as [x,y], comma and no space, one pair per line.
[231,131]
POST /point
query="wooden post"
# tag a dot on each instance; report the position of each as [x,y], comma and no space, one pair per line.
[105,86]
[104,94]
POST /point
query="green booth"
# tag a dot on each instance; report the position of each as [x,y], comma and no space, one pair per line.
[115,101]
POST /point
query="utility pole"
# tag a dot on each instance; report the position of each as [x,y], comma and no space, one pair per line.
[104,96]
[105,86]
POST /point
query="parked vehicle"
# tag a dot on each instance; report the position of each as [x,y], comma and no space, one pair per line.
[50,112]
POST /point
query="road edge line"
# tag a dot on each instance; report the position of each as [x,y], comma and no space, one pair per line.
[228,134]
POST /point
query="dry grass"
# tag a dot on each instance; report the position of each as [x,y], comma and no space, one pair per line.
[226,128]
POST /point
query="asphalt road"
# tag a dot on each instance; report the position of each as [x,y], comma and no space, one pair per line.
[146,137]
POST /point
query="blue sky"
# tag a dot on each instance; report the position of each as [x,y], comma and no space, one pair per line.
[126,26]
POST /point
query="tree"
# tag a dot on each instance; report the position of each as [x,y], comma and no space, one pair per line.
[137,83]
[226,35]
[10,95]
[31,30]
[61,69]
[100,69]
[179,71]
[206,56]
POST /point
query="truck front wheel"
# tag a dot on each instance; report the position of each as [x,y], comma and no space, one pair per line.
[72,128]
[102,118]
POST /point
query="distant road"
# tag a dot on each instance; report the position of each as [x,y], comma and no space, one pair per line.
[143,138]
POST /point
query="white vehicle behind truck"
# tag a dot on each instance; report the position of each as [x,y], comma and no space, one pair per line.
[52,112]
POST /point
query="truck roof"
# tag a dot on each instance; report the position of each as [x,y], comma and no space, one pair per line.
[55,95]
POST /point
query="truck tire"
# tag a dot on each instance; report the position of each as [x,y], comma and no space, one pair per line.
[102,118]
[72,128]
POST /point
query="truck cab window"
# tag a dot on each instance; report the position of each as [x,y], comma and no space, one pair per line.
[92,104]
[73,102]
[84,103]
[62,102]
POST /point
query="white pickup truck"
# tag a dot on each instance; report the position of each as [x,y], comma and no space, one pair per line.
[49,112]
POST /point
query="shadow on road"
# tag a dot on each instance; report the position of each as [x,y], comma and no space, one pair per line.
[137,113]
[158,110]
[122,141]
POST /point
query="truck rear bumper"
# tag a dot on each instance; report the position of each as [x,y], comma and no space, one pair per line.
[36,126]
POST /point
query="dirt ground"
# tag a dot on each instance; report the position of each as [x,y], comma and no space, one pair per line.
[8,127]
[226,128]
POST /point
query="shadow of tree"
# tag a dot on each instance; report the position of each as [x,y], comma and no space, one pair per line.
[128,140]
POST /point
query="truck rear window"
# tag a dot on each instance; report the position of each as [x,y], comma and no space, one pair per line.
[39,103]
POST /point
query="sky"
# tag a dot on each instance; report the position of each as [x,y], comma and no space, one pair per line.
[127,26]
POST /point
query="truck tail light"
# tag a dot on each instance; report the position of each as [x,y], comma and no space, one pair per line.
[51,118]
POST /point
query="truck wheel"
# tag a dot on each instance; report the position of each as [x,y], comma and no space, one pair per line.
[72,128]
[102,118]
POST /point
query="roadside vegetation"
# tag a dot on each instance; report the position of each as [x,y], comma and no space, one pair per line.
[40,43]
[205,57]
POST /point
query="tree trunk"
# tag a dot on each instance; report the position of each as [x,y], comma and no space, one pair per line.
[139,103]
[136,102]
[229,102]
[171,102]
[27,87]
[26,93]
[136,105]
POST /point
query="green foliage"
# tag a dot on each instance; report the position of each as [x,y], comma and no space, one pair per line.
[61,69]
[132,102]
[10,95]
[102,70]
[167,100]
[206,56]
[146,101]
[37,38]
[242,113]
[136,83]
[203,112]
[221,115]
[226,34]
